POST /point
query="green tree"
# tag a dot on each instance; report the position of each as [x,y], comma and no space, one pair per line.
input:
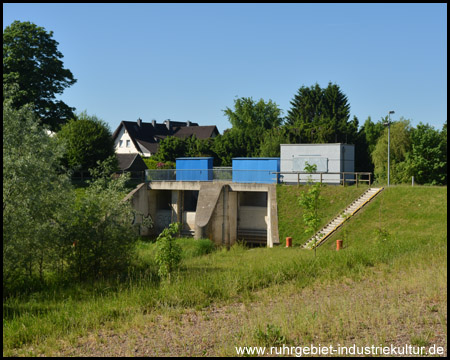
[310,202]
[36,194]
[87,139]
[400,145]
[249,114]
[373,131]
[235,143]
[321,116]
[32,61]
[427,159]
[250,121]
[199,147]
[365,142]
[270,145]
[170,149]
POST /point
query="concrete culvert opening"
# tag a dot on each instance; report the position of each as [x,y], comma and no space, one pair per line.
[252,218]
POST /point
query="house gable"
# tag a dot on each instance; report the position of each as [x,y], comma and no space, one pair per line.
[143,138]
[124,143]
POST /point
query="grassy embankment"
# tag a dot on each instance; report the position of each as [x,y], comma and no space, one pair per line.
[379,289]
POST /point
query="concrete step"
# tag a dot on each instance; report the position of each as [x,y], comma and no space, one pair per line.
[349,210]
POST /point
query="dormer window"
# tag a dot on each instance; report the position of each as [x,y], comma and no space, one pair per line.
[128,143]
[120,143]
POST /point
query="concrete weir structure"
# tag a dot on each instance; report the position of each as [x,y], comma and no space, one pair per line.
[214,203]
[221,211]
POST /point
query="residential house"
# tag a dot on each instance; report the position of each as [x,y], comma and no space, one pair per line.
[144,138]
[132,163]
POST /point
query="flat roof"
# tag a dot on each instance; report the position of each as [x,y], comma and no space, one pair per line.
[194,158]
[256,158]
[316,144]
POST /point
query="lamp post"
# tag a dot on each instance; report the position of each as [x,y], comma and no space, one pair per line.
[389,144]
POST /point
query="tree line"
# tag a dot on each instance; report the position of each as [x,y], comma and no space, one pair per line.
[322,115]
[49,229]
[32,67]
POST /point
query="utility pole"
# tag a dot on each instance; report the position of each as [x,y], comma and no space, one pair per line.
[389,145]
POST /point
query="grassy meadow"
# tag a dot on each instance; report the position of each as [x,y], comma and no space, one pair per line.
[387,286]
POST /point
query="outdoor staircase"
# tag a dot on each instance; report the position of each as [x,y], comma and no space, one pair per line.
[322,235]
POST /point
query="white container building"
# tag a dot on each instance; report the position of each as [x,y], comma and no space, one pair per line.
[329,158]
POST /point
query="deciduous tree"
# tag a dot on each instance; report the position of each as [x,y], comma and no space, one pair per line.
[31,60]
[87,139]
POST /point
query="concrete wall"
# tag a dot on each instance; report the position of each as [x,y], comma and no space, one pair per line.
[139,202]
[226,214]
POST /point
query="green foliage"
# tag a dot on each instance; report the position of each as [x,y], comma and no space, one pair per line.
[420,152]
[427,159]
[168,254]
[321,116]
[400,145]
[32,326]
[36,194]
[250,122]
[199,147]
[271,336]
[101,230]
[155,164]
[235,143]
[365,142]
[310,202]
[49,231]
[310,168]
[87,139]
[270,145]
[170,149]
[31,59]
[248,114]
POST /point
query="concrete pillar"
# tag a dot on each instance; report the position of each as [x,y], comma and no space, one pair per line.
[232,217]
[152,194]
[177,208]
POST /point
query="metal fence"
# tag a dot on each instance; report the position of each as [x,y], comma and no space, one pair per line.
[256,176]
[301,177]
[216,174]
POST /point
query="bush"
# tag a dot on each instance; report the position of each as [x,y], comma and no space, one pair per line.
[157,165]
[101,229]
[48,231]
[168,252]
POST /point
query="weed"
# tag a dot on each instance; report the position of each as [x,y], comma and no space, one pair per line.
[271,336]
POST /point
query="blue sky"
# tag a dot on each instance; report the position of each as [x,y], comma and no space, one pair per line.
[190,61]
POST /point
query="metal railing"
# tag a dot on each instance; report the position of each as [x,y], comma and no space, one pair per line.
[324,177]
[256,176]
[216,174]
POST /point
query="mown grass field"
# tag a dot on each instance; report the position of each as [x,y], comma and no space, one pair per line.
[387,286]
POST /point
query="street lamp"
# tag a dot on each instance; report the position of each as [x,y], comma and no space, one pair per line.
[388,124]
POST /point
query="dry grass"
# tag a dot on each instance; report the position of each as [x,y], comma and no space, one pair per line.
[393,306]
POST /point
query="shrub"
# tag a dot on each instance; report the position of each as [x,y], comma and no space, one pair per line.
[168,252]
[156,165]
[101,229]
